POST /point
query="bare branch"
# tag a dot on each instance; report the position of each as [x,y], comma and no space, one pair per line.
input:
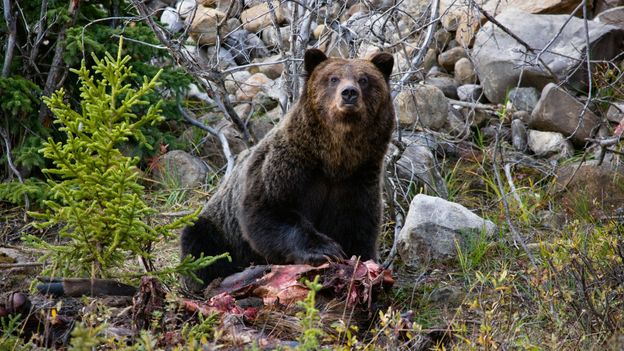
[225,145]
[7,148]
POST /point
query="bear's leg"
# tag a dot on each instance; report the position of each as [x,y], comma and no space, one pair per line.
[353,218]
[204,237]
[286,237]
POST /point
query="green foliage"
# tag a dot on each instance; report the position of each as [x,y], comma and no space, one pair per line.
[474,251]
[85,338]
[188,266]
[9,327]
[19,106]
[27,154]
[205,329]
[19,97]
[310,319]
[14,191]
[584,269]
[97,200]
[90,34]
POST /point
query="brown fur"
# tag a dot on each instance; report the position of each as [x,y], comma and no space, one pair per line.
[310,190]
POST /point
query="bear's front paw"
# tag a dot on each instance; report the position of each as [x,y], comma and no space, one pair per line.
[320,253]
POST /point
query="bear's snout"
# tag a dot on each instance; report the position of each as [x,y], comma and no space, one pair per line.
[349,95]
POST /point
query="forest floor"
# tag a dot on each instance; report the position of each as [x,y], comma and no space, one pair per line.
[559,289]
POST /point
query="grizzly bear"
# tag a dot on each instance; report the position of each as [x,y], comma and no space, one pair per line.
[311,189]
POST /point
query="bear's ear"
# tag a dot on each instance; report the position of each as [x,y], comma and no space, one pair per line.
[384,62]
[312,58]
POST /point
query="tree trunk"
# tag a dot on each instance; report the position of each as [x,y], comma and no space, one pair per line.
[12,29]
[55,75]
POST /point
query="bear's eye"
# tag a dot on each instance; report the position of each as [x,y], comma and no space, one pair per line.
[333,79]
[363,80]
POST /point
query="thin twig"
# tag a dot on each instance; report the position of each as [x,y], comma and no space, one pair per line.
[7,148]
[212,79]
[40,31]
[475,105]
[514,232]
[417,60]
[512,186]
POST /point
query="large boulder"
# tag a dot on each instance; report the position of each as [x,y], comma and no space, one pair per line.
[424,107]
[245,46]
[558,111]
[204,26]
[500,60]
[614,16]
[253,85]
[258,17]
[591,189]
[463,19]
[448,58]
[179,168]
[603,5]
[433,227]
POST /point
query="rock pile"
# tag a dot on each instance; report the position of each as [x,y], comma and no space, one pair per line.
[521,62]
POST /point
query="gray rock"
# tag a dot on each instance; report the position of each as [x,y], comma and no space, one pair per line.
[433,226]
[211,57]
[477,117]
[371,26]
[614,16]
[444,82]
[418,165]
[270,68]
[524,98]
[272,39]
[442,38]
[204,26]
[549,145]
[598,187]
[245,46]
[172,20]
[425,106]
[234,80]
[470,92]
[465,71]
[524,116]
[259,16]
[185,7]
[448,58]
[212,147]
[616,112]
[518,135]
[456,122]
[489,133]
[430,60]
[181,169]
[447,296]
[558,111]
[262,102]
[499,59]
[602,5]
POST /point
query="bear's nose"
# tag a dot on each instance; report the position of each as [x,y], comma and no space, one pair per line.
[349,95]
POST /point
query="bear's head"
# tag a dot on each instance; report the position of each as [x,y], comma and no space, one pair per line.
[344,91]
